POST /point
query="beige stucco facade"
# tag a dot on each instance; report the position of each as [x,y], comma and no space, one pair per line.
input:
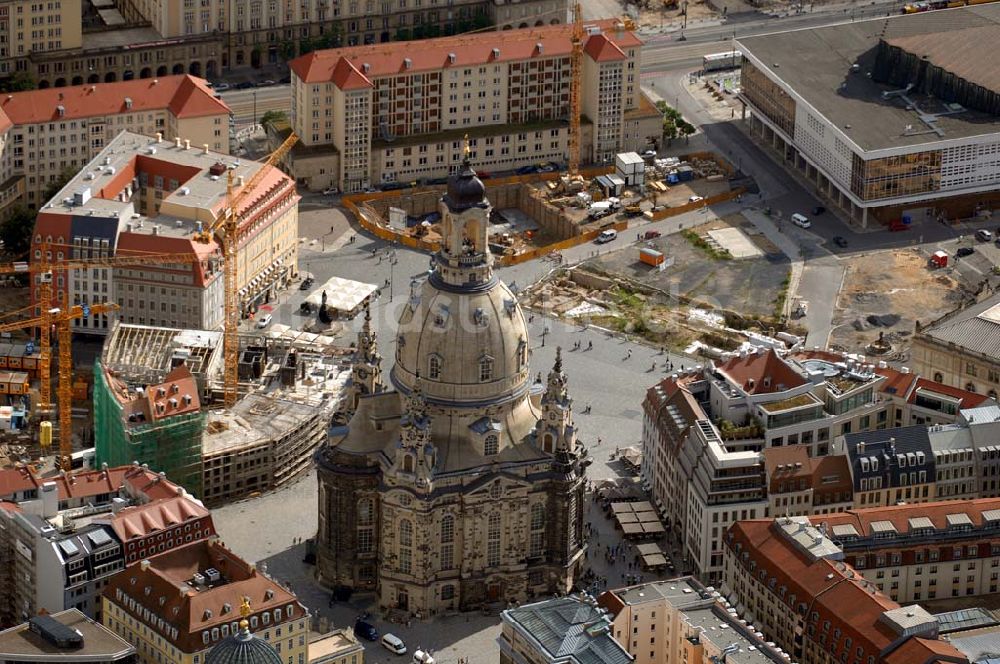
[402,127]
[37,27]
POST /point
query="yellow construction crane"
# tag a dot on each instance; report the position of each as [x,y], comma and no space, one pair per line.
[576,83]
[62,318]
[225,231]
[45,267]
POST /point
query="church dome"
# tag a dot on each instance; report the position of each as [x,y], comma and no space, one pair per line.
[465,190]
[469,347]
[243,648]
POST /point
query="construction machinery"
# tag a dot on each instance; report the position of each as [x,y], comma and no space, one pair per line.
[575,91]
[45,268]
[225,231]
[61,318]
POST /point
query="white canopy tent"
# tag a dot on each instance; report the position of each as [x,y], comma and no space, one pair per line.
[344,295]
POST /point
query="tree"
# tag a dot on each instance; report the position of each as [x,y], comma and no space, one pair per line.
[15,230]
[273,117]
[20,81]
[53,187]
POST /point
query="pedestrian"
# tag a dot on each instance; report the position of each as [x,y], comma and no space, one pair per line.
[590,345]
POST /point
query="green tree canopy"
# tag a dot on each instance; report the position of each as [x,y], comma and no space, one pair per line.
[15,230]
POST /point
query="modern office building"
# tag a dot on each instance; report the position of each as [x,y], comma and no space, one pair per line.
[68,637]
[888,117]
[391,113]
[146,194]
[962,348]
[679,620]
[788,578]
[174,608]
[53,131]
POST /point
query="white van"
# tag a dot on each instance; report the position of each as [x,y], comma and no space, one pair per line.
[606,236]
[801,220]
[394,644]
[421,657]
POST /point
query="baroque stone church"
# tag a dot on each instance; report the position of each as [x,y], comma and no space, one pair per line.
[457,481]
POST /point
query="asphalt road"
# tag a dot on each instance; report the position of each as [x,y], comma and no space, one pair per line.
[244,102]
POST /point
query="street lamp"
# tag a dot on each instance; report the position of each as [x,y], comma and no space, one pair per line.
[254,109]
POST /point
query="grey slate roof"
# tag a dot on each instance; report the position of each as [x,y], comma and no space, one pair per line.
[970,328]
[905,440]
[569,629]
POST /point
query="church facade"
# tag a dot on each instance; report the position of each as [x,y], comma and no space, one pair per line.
[457,481]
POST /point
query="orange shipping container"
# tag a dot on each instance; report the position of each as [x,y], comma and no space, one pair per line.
[651,257]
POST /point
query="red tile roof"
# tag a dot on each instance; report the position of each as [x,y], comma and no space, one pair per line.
[90,483]
[896,382]
[432,54]
[185,96]
[176,395]
[823,475]
[761,373]
[924,651]
[165,589]
[900,515]
[968,399]
[831,589]
[602,49]
[142,520]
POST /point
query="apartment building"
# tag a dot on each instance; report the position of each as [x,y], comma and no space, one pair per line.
[69,535]
[68,637]
[175,607]
[898,125]
[679,620]
[30,27]
[920,552]
[707,433]
[376,114]
[143,195]
[57,130]
[962,348]
[800,484]
[787,577]
[570,630]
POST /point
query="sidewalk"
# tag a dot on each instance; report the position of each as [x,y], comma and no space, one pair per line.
[788,246]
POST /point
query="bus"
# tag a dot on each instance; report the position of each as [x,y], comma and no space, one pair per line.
[722,61]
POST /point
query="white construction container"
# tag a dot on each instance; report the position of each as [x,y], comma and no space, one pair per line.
[631,168]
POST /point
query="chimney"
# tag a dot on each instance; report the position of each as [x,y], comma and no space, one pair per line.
[177,141]
[204,148]
[861,447]
[159,136]
[144,565]
[50,500]
[187,144]
[540,47]
[240,180]
[407,63]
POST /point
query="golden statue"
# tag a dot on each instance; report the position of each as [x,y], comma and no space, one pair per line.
[467,148]
[245,612]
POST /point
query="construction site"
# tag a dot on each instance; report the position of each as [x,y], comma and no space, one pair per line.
[532,213]
[158,400]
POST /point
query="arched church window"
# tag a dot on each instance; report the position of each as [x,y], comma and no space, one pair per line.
[970,387]
[405,542]
[493,540]
[537,540]
[408,463]
[492,445]
[547,442]
[938,377]
[485,368]
[434,367]
[366,512]
[447,529]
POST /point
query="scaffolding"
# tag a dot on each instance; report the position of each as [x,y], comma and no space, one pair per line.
[172,445]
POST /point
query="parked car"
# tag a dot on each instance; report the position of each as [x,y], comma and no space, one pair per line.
[649,235]
[266,83]
[394,644]
[695,199]
[527,170]
[984,235]
[245,85]
[221,87]
[264,321]
[331,191]
[307,283]
[801,220]
[819,209]
[649,154]
[365,630]
[606,236]
[964,251]
[394,186]
[840,241]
